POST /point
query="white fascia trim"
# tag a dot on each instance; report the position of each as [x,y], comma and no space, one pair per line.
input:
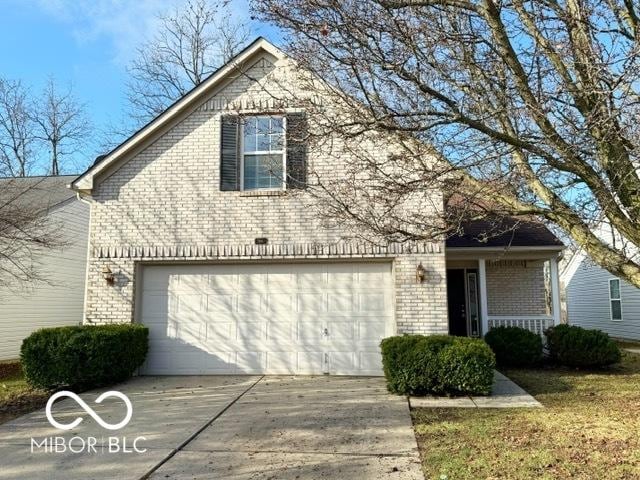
[84,182]
[546,248]
[571,267]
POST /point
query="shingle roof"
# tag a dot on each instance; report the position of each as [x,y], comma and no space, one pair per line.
[40,193]
[505,232]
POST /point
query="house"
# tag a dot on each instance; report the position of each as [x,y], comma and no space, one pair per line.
[203,230]
[57,297]
[597,299]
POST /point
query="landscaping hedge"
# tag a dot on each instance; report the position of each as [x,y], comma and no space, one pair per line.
[438,364]
[515,346]
[83,357]
[578,347]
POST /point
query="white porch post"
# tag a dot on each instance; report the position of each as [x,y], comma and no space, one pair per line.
[484,309]
[555,289]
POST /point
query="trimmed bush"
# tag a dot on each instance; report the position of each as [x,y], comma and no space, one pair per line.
[515,346]
[438,364]
[83,357]
[577,347]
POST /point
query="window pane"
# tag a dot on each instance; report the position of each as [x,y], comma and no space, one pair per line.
[263,134]
[614,288]
[249,137]
[616,310]
[262,171]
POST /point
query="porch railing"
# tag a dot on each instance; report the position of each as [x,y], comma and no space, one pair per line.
[535,323]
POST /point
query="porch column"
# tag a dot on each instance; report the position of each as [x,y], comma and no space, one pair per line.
[484,309]
[555,289]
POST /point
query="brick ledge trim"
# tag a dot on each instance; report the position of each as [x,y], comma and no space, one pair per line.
[308,250]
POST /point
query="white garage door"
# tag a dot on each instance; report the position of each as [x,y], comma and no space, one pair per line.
[304,318]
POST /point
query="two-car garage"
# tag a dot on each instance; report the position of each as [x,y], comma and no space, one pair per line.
[270,318]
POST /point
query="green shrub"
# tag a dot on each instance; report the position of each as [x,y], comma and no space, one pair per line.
[83,357]
[515,346]
[577,347]
[417,365]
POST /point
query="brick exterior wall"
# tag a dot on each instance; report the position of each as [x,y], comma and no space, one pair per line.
[516,288]
[168,195]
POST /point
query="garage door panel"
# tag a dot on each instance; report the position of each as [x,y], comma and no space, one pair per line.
[280,332]
[372,302]
[280,303]
[311,302]
[250,362]
[221,303]
[251,302]
[280,363]
[310,363]
[309,332]
[218,332]
[372,329]
[267,318]
[340,302]
[342,331]
[155,304]
[217,362]
[248,333]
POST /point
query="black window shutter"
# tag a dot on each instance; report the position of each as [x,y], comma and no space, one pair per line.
[297,133]
[229,153]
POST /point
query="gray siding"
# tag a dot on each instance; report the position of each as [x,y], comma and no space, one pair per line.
[588,302]
[49,304]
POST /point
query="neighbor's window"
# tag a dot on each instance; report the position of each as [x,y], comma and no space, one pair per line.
[262,153]
[615,299]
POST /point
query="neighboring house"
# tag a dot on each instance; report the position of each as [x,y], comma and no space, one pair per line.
[195,234]
[597,299]
[57,299]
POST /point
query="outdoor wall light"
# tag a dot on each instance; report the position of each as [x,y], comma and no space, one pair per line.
[107,274]
[421,273]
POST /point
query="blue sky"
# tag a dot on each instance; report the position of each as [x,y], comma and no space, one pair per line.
[85,43]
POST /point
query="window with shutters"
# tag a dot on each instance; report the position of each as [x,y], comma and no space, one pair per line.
[263,153]
[615,299]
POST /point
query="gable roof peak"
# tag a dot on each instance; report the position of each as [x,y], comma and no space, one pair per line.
[85,182]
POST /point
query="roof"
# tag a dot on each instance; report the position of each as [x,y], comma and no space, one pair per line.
[85,181]
[503,233]
[39,193]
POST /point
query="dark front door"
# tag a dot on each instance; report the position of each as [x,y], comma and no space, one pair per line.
[457,299]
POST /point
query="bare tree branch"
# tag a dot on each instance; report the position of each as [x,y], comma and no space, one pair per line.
[192,42]
[524,108]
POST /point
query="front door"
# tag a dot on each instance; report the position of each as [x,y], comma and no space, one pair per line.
[462,296]
[457,302]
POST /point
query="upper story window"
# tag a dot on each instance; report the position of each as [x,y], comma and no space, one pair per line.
[263,158]
[615,299]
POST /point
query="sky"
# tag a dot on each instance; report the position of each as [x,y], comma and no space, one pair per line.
[86,44]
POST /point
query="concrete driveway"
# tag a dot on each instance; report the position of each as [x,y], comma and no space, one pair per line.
[224,428]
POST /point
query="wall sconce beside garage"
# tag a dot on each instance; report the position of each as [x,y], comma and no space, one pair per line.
[108,275]
[421,273]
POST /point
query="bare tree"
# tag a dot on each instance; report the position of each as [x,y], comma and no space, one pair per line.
[26,232]
[531,108]
[61,124]
[16,130]
[191,43]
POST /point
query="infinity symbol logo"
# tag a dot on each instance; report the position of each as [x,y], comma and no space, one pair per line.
[89,410]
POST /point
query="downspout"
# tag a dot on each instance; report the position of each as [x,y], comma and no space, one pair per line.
[86,272]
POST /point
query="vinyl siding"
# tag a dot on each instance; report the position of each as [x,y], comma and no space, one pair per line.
[49,304]
[588,302]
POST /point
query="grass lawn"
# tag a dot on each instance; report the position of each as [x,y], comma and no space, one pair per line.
[589,429]
[16,397]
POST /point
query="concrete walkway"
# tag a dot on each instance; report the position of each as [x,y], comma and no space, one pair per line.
[504,394]
[227,428]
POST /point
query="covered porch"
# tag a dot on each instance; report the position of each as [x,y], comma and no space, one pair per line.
[503,282]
